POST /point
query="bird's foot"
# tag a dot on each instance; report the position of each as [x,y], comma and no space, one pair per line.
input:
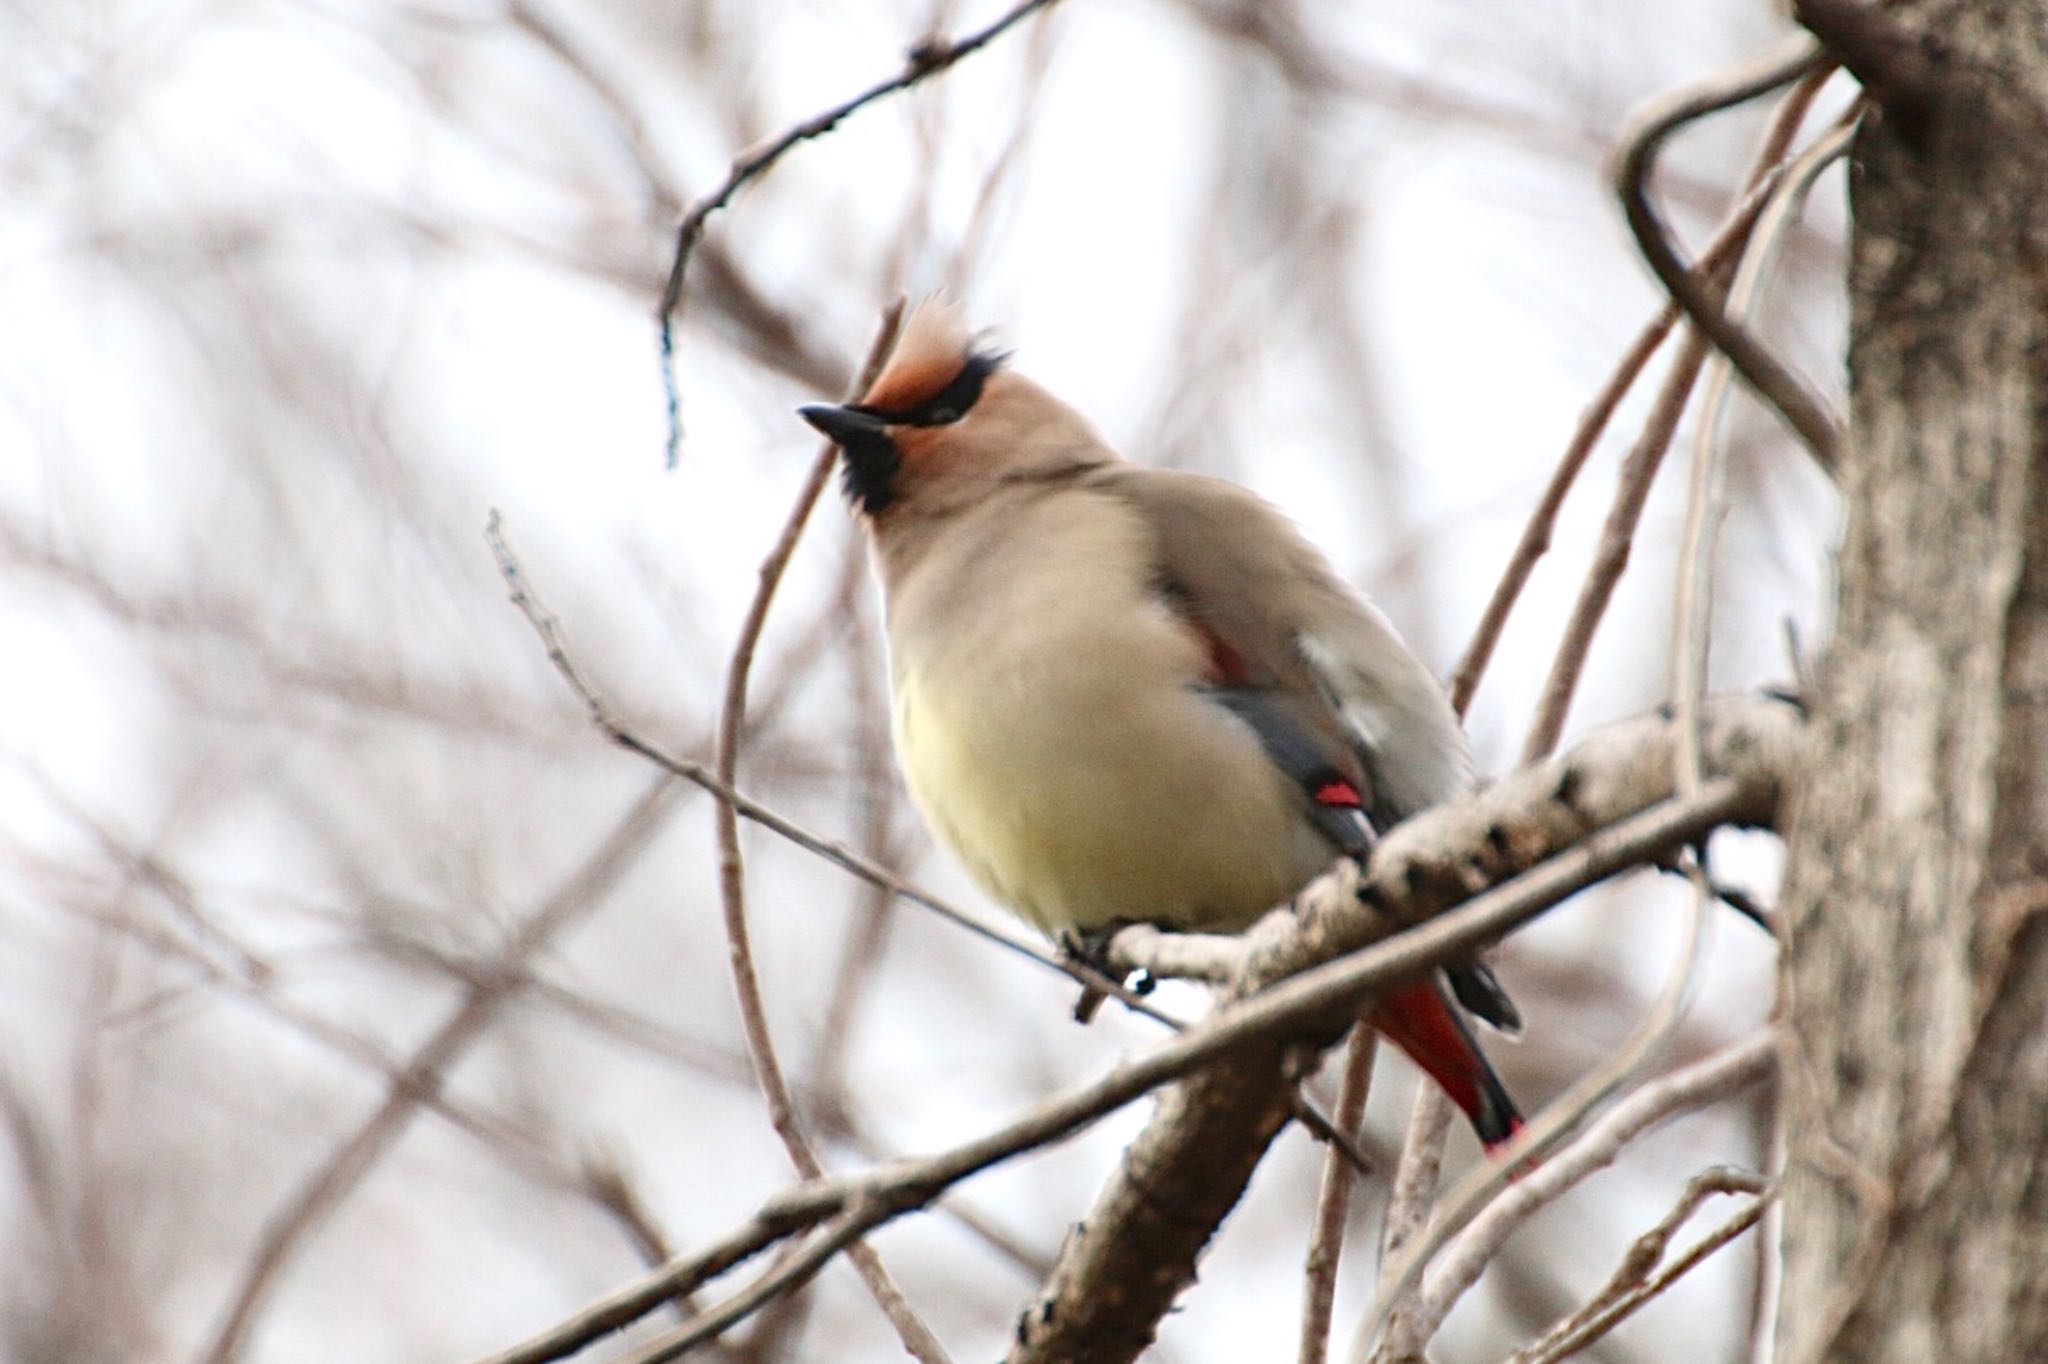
[1090,948]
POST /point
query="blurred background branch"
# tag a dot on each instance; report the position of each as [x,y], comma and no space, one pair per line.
[365,1004]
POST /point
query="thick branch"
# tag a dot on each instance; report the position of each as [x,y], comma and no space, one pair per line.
[1606,804]
[1915,904]
[1122,1268]
[1895,65]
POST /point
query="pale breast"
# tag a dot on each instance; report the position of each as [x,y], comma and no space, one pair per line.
[1055,734]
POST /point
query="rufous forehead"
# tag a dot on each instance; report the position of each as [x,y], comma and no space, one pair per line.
[934,345]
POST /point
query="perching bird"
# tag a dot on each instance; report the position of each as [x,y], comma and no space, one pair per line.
[1134,694]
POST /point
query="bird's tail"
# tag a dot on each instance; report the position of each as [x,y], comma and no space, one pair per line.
[1420,1021]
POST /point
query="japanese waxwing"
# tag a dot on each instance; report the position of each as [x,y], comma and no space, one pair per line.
[1133,694]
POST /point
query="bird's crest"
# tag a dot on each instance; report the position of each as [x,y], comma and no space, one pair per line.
[934,347]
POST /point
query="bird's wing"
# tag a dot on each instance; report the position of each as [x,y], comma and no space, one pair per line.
[1335,698]
[1245,581]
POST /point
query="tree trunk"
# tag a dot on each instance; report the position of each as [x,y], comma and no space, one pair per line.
[1916,961]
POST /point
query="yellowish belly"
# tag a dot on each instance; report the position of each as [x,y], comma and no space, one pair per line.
[1078,795]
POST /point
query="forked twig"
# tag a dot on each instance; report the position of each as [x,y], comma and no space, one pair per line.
[1634,1282]
[1682,1091]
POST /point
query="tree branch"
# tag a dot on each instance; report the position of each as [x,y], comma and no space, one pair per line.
[910,1327]
[927,57]
[1333,1204]
[1780,387]
[1125,1264]
[1891,62]
[1605,805]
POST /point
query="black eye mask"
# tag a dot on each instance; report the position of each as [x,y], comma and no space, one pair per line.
[949,404]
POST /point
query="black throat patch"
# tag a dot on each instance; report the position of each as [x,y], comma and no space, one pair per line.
[868,465]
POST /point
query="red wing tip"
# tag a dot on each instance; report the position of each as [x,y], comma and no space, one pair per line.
[1338,792]
[1496,1145]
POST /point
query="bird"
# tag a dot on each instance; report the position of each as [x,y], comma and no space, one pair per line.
[1122,693]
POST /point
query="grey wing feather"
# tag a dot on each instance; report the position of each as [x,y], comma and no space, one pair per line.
[1326,674]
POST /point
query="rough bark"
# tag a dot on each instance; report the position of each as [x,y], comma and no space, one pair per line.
[1916,967]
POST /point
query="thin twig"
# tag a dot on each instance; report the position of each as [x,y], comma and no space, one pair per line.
[872,1198]
[1639,470]
[1542,523]
[1682,1091]
[1802,410]
[1326,1242]
[1617,539]
[926,58]
[549,628]
[1638,1278]
[1415,1185]
[842,1233]
[916,1336]
[1691,609]
[679,1276]
[1342,1142]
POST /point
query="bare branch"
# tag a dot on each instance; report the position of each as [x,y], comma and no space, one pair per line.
[1682,1091]
[1802,410]
[916,1336]
[1634,1282]
[1639,470]
[926,58]
[1421,865]
[1408,1202]
[1326,1241]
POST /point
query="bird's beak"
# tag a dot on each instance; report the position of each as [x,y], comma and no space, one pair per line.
[842,425]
